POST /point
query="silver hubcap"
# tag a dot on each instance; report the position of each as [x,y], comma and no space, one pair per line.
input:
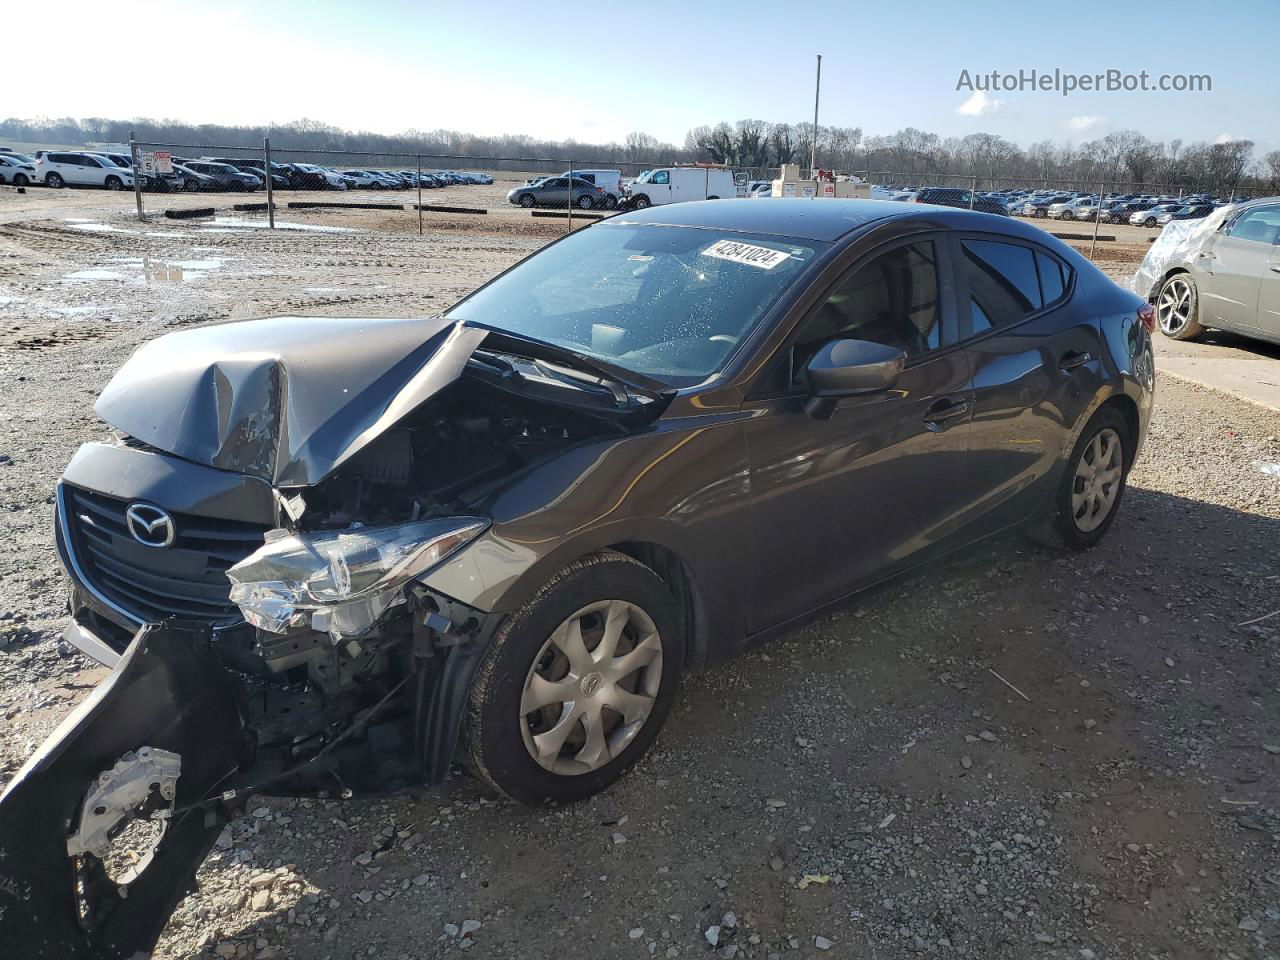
[591,688]
[1097,480]
[1174,306]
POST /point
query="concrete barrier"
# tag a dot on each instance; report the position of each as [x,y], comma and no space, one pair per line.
[438,208]
[577,214]
[1108,237]
[314,205]
[193,213]
[252,207]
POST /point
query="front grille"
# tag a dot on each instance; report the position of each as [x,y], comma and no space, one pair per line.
[186,579]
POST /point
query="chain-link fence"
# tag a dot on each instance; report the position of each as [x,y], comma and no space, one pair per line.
[410,189]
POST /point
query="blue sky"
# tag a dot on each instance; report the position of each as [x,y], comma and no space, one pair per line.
[596,71]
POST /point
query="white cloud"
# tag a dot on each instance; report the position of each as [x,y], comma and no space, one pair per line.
[1082,124]
[979,105]
[1223,138]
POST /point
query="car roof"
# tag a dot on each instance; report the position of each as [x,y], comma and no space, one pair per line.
[809,218]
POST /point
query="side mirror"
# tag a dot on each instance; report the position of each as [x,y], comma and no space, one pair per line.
[843,368]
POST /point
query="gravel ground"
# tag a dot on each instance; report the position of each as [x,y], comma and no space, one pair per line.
[868,786]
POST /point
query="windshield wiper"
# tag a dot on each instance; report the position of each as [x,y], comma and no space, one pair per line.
[518,345]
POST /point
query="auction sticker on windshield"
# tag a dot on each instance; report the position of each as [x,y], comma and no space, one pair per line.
[753,256]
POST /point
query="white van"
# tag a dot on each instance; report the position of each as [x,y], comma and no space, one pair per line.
[673,184]
[608,180]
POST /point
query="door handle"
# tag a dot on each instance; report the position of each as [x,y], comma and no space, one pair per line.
[1074,360]
[942,412]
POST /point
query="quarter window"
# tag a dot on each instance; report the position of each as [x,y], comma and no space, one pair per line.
[892,300]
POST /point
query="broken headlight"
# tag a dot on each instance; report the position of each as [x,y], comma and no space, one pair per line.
[339,582]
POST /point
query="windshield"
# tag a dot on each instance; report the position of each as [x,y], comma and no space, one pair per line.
[669,302]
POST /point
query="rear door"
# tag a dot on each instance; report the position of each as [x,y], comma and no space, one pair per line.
[1237,261]
[1036,353]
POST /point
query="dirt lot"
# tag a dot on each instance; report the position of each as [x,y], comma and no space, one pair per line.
[866,787]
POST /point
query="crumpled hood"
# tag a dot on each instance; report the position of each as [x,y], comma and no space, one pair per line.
[285,399]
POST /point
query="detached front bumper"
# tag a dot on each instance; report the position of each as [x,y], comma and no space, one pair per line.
[167,697]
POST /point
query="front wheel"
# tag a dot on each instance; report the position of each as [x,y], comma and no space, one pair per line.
[1149,222]
[585,202]
[191,186]
[641,202]
[114,183]
[1178,308]
[1068,215]
[1091,490]
[526,200]
[576,684]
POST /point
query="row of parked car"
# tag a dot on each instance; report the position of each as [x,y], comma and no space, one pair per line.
[1145,210]
[114,171]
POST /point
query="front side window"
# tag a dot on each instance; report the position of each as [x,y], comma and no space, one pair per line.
[662,177]
[893,300]
[1261,224]
[669,302]
[1003,284]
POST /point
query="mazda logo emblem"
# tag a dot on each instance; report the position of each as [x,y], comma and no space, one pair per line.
[149,525]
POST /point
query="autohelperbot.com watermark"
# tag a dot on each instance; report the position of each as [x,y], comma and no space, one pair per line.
[1065,82]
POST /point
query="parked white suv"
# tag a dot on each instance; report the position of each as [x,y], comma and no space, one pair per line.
[81,170]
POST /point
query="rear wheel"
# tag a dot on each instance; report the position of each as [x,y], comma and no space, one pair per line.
[610,202]
[55,180]
[1178,308]
[1093,484]
[576,684]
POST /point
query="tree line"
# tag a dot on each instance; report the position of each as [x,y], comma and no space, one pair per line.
[907,156]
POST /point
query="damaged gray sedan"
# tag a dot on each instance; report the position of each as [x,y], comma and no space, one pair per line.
[337,556]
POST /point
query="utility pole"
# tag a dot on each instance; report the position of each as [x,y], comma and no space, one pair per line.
[813,143]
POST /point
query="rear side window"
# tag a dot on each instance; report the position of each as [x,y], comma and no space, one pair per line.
[1003,284]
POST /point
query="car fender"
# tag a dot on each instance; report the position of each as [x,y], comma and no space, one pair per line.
[680,486]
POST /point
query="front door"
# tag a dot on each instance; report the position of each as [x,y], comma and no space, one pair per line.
[843,501]
[1242,291]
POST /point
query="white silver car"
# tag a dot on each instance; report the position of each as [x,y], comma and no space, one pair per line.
[56,169]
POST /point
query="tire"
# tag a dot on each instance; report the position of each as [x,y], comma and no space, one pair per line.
[641,202]
[1068,215]
[585,202]
[113,183]
[527,201]
[523,657]
[1081,514]
[1178,308]
[611,202]
[191,186]
[713,198]
[1149,222]
[55,181]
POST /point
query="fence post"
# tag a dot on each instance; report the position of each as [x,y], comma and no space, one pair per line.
[569,205]
[271,205]
[973,192]
[1097,217]
[419,194]
[137,174]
